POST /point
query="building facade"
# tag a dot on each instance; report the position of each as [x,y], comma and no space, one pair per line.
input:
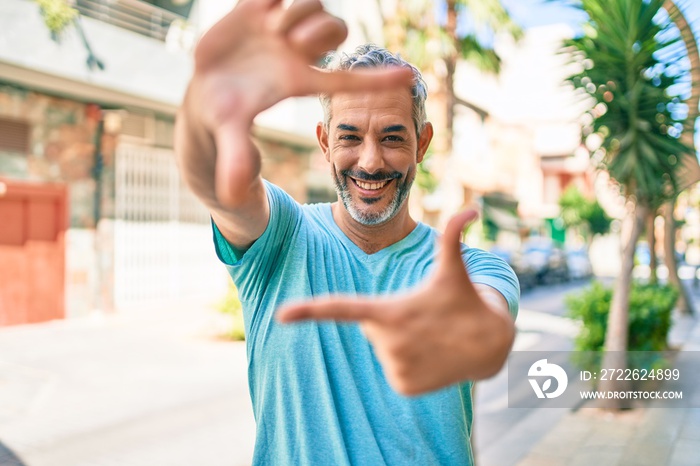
[88,114]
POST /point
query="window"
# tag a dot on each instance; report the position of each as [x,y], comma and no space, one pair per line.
[14,136]
[145,18]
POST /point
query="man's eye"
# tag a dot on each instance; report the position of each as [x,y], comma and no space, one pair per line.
[394,139]
[349,137]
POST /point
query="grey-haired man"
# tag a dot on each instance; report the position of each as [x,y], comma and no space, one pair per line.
[362,333]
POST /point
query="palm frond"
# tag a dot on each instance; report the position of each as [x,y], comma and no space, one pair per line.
[632,75]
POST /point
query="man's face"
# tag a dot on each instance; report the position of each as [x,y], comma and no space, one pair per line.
[373,150]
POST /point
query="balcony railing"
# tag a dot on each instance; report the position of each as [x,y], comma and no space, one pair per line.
[134,15]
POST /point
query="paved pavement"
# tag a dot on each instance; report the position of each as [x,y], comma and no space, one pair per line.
[651,436]
[136,389]
[503,435]
[157,388]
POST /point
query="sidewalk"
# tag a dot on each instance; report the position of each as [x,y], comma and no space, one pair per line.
[136,388]
[641,437]
[156,388]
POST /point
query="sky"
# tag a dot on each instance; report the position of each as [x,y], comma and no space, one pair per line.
[532,13]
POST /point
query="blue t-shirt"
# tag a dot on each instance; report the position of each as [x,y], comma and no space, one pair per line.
[318,391]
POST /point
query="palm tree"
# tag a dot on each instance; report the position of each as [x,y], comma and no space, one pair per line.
[629,70]
[691,170]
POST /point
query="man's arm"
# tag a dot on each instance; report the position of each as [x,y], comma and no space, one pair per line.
[257,55]
[244,217]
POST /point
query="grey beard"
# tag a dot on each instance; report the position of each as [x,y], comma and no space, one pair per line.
[371,219]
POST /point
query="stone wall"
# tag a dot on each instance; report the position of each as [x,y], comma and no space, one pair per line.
[61,147]
[62,150]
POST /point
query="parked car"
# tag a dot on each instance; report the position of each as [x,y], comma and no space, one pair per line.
[579,264]
[546,260]
[526,274]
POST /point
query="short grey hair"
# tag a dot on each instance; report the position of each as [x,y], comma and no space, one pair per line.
[373,56]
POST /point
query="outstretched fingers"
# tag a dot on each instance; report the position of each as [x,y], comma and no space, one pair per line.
[331,82]
[338,309]
[216,42]
[296,13]
[316,35]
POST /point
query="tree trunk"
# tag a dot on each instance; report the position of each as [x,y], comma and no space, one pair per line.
[651,239]
[684,304]
[616,336]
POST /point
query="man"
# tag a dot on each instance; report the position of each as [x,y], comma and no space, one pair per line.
[349,307]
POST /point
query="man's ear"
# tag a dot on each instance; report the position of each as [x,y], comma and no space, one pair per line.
[322,137]
[424,141]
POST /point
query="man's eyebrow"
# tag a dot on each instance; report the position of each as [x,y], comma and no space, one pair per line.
[344,127]
[395,129]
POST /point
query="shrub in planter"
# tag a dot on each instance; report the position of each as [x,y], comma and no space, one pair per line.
[650,310]
[649,316]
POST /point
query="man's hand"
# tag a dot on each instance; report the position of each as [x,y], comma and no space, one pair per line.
[447,331]
[257,55]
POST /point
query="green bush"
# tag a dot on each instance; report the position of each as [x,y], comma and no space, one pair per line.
[232,305]
[649,316]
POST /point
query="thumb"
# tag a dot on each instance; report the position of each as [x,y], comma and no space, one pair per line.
[451,247]
[236,163]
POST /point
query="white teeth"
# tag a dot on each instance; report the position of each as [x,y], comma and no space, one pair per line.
[371,186]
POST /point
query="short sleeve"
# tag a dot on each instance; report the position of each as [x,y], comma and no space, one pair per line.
[251,269]
[488,269]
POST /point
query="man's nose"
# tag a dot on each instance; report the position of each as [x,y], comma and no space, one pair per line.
[371,158]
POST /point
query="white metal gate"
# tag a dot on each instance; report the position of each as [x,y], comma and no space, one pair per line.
[162,235]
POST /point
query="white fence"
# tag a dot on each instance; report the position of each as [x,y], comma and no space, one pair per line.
[162,236]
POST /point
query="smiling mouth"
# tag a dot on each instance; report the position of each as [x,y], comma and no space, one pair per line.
[370,185]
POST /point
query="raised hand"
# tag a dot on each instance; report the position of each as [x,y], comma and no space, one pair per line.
[257,55]
[447,331]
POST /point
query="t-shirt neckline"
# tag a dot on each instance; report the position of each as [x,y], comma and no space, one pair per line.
[419,233]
